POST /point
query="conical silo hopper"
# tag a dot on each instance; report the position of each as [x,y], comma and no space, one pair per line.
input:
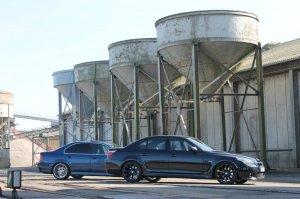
[64,82]
[89,73]
[124,56]
[223,37]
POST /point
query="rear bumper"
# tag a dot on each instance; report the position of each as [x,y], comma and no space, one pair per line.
[113,169]
[45,167]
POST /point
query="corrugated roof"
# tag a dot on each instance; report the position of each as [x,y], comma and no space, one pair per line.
[274,54]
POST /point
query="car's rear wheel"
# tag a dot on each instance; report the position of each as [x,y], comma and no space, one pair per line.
[132,172]
[77,176]
[61,171]
[226,173]
[240,181]
[152,179]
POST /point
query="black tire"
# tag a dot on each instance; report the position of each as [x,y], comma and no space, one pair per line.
[240,181]
[226,173]
[132,172]
[152,179]
[77,176]
[61,171]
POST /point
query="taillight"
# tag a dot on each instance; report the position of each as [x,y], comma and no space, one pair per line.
[110,153]
[41,157]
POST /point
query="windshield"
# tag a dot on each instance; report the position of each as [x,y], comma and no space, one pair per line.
[200,144]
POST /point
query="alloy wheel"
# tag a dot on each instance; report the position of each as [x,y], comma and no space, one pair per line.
[132,172]
[61,171]
[226,173]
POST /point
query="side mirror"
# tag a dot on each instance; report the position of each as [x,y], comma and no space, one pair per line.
[193,149]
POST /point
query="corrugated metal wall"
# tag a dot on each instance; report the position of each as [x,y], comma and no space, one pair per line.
[278,120]
[211,124]
[278,114]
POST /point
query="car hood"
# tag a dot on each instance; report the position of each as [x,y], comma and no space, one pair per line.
[232,155]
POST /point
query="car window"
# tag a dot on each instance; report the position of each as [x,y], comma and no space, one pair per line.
[143,145]
[179,145]
[156,144]
[200,144]
[83,148]
[97,149]
[153,144]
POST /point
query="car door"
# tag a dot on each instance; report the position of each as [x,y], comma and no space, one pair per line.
[184,160]
[154,155]
[78,157]
[98,155]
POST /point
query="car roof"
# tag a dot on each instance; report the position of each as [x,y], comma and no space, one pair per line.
[91,142]
[180,136]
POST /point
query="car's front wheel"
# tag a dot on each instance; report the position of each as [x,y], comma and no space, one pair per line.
[61,171]
[152,179]
[132,172]
[226,173]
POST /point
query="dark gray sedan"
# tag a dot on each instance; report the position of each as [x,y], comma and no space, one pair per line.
[177,156]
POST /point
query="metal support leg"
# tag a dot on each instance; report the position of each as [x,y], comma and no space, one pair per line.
[162,108]
[196,93]
[8,132]
[113,110]
[237,114]
[80,116]
[62,134]
[261,106]
[223,121]
[296,112]
[95,106]
[74,112]
[136,101]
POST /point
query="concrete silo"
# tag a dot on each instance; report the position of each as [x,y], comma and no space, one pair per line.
[6,117]
[206,47]
[94,80]
[134,63]
[69,108]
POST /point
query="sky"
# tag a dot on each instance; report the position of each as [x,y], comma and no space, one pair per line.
[39,37]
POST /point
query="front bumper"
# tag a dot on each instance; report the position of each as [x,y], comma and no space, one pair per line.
[252,173]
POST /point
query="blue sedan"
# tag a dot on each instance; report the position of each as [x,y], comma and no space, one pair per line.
[77,159]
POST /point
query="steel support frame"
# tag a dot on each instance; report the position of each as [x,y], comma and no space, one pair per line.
[43,140]
[124,112]
[196,95]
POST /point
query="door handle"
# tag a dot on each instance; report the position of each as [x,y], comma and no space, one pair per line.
[69,157]
[173,155]
[94,158]
[143,154]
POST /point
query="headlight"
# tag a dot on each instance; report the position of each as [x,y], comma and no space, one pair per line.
[247,162]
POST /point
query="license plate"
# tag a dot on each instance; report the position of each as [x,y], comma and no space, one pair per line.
[262,169]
